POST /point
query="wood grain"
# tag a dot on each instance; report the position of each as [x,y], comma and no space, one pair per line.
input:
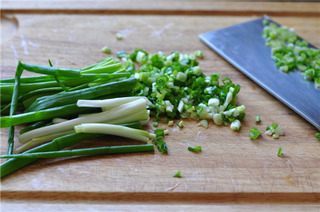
[230,162]
[165,7]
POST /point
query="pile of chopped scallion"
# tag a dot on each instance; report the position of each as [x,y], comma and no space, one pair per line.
[291,53]
[177,88]
[62,107]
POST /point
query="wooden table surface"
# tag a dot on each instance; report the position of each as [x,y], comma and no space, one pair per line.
[231,173]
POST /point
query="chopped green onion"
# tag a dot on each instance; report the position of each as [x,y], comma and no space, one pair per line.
[257,119]
[195,149]
[155,124]
[235,125]
[280,151]
[170,123]
[291,53]
[180,124]
[275,136]
[254,133]
[178,174]
[318,136]
[203,123]
[199,53]
[274,130]
[106,50]
[119,36]
[159,132]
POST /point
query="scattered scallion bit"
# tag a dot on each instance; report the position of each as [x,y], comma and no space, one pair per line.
[274,130]
[280,151]
[178,174]
[235,125]
[170,123]
[106,50]
[195,149]
[318,136]
[180,124]
[254,133]
[119,36]
[257,119]
[166,132]
[291,53]
[159,132]
[155,124]
[203,123]
[159,142]
[198,53]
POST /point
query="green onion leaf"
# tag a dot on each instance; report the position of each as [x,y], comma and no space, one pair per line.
[280,151]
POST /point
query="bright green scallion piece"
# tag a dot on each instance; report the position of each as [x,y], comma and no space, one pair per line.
[280,151]
[254,133]
[317,135]
[178,174]
[195,149]
[180,124]
[106,50]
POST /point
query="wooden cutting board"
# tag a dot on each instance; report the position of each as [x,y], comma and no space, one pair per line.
[230,166]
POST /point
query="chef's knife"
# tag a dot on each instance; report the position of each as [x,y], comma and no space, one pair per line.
[243,46]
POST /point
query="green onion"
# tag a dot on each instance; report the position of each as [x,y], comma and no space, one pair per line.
[115,115]
[106,50]
[119,36]
[110,129]
[257,119]
[317,135]
[159,132]
[170,123]
[274,130]
[178,174]
[235,125]
[34,126]
[159,142]
[85,152]
[12,165]
[60,111]
[198,53]
[280,151]
[177,88]
[15,164]
[155,124]
[180,124]
[195,149]
[86,93]
[13,107]
[254,133]
[291,53]
[203,123]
